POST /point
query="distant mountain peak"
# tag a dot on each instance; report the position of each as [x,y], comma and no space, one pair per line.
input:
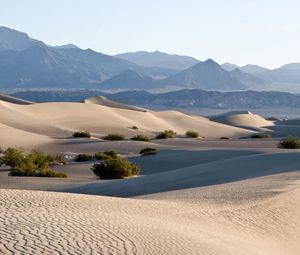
[159,59]
[67,46]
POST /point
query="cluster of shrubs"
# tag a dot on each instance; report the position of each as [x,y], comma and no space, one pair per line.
[290,142]
[117,168]
[85,134]
[105,155]
[114,137]
[113,167]
[35,163]
[166,134]
[142,138]
[261,135]
[192,134]
[148,151]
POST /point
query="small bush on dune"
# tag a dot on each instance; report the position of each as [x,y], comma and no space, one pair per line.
[224,138]
[83,157]
[57,159]
[134,127]
[291,142]
[50,173]
[148,151]
[115,169]
[105,155]
[142,138]
[85,134]
[166,134]
[114,137]
[13,157]
[192,134]
[261,135]
[34,163]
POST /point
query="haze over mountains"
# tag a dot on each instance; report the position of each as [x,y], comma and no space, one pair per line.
[29,63]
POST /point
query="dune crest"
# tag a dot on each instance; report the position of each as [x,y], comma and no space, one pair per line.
[102,100]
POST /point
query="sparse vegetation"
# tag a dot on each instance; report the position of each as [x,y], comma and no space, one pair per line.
[290,142]
[85,134]
[148,151]
[114,137]
[166,134]
[83,157]
[134,127]
[35,163]
[261,135]
[192,134]
[118,168]
[141,138]
[224,137]
[106,155]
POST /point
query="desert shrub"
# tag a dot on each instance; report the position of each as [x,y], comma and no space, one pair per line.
[50,173]
[261,135]
[115,169]
[105,155]
[192,134]
[166,134]
[224,137]
[134,127]
[85,134]
[290,142]
[83,157]
[13,157]
[114,137]
[148,151]
[141,138]
[57,159]
[34,163]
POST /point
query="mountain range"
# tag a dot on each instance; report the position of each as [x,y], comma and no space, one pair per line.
[186,98]
[30,63]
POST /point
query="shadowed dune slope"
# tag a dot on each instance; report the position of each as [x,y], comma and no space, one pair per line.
[13,100]
[222,171]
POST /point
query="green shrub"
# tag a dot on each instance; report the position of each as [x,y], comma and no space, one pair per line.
[115,169]
[148,151]
[291,142]
[114,137]
[105,155]
[57,158]
[50,173]
[141,138]
[83,157]
[166,134]
[85,134]
[34,163]
[261,135]
[13,157]
[192,134]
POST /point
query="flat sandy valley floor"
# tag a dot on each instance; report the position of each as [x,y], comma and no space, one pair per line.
[195,196]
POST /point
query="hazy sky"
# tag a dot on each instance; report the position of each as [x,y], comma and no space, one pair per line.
[264,32]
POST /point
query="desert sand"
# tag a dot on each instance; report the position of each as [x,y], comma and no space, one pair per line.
[195,196]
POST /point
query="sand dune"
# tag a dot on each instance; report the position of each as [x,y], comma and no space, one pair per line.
[61,119]
[57,223]
[242,119]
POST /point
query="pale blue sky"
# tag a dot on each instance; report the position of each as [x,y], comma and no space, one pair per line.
[264,32]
